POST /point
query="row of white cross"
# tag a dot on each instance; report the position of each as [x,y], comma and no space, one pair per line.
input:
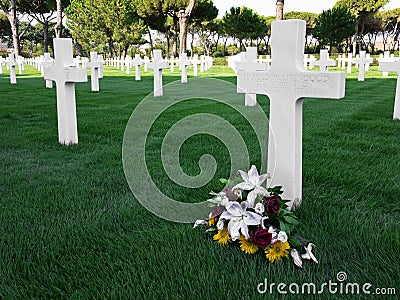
[286,82]
[205,62]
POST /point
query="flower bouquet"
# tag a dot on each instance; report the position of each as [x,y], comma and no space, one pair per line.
[257,219]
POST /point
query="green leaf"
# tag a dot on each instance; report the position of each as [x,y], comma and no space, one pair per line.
[291,220]
[294,242]
[223,180]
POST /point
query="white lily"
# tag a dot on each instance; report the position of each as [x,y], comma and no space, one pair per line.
[252,182]
[199,222]
[309,255]
[274,233]
[282,237]
[220,198]
[296,257]
[220,224]
[239,219]
[259,208]
[262,222]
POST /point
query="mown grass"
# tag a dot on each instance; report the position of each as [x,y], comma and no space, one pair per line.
[71,228]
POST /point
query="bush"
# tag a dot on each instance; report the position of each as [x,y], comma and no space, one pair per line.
[220,61]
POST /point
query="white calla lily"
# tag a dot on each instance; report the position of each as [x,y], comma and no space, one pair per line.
[309,255]
[259,208]
[239,218]
[200,222]
[252,182]
[296,257]
[220,224]
[282,237]
[219,199]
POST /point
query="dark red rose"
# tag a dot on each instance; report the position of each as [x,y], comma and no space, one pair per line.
[272,205]
[262,238]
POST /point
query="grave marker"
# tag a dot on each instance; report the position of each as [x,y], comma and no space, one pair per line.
[137,62]
[95,65]
[11,64]
[47,61]
[158,65]
[362,61]
[65,74]
[249,63]
[324,61]
[183,63]
[286,84]
[196,62]
[393,67]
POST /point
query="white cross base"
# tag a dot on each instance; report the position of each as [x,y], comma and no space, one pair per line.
[158,65]
[393,67]
[64,72]
[286,83]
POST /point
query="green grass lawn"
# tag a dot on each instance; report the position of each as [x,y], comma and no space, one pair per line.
[71,228]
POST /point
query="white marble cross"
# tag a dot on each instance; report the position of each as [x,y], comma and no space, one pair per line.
[95,65]
[11,64]
[349,61]
[47,61]
[21,65]
[172,64]
[137,62]
[158,65]
[393,67]
[362,61]
[2,63]
[324,61]
[101,70]
[286,84]
[195,62]
[202,63]
[385,58]
[249,63]
[128,63]
[65,74]
[146,61]
[368,56]
[183,63]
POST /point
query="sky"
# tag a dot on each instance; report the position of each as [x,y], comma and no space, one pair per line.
[267,7]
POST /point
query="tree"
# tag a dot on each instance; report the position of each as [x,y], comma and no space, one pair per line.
[333,26]
[279,9]
[310,19]
[362,10]
[40,11]
[242,23]
[9,8]
[58,6]
[98,24]
[390,26]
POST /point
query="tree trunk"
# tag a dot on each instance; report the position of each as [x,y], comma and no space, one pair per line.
[58,27]
[175,39]
[46,37]
[184,16]
[151,40]
[279,9]
[11,15]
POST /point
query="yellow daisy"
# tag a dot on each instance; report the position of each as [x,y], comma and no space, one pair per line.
[247,246]
[211,221]
[277,251]
[222,237]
